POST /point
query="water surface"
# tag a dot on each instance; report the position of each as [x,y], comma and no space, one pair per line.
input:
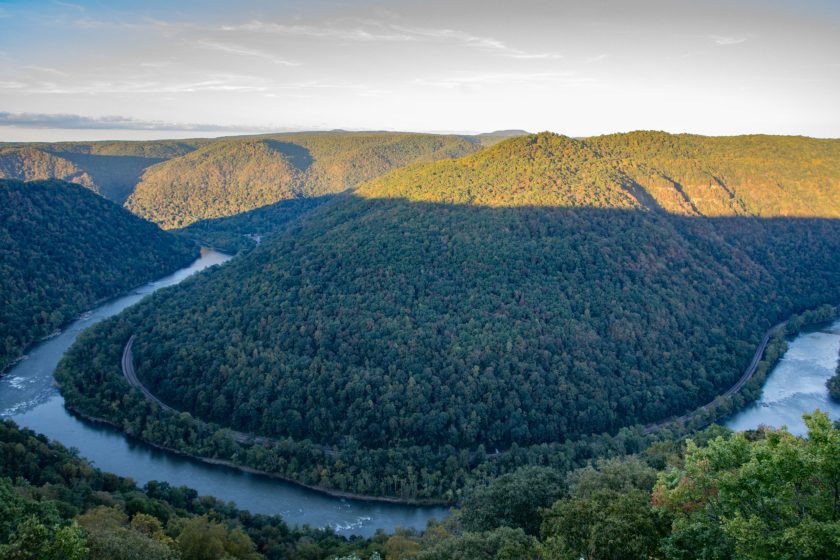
[29,397]
[797,384]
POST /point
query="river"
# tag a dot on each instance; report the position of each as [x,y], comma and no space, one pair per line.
[797,384]
[29,397]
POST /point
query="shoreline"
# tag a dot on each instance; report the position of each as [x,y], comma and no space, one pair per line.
[646,430]
[92,306]
[746,377]
[250,470]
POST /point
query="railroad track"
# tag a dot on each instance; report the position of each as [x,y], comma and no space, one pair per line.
[746,376]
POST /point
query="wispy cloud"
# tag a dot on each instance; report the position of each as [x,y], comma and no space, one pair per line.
[475,41]
[373,30]
[350,33]
[596,58]
[45,70]
[503,78]
[215,82]
[725,41]
[69,121]
[69,5]
[245,51]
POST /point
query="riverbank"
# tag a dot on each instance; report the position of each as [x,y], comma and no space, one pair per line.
[722,405]
[250,470]
[28,396]
[90,307]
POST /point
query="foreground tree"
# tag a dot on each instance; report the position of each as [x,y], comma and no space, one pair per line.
[777,497]
[608,515]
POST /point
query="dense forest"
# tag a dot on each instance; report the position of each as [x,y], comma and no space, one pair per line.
[230,176]
[62,248]
[29,164]
[518,299]
[111,169]
[240,232]
[759,495]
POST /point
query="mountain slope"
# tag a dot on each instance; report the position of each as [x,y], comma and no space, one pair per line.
[111,169]
[62,248]
[29,164]
[736,175]
[235,175]
[526,295]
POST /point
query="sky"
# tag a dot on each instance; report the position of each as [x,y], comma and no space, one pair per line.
[165,69]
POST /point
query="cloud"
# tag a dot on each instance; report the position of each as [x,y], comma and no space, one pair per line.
[475,41]
[212,82]
[504,78]
[351,34]
[373,31]
[726,41]
[596,58]
[77,7]
[45,70]
[245,51]
[67,121]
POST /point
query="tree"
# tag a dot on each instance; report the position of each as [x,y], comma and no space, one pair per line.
[775,497]
[34,541]
[513,500]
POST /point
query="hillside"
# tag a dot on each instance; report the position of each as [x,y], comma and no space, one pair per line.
[737,175]
[111,169]
[29,164]
[62,248]
[235,175]
[519,298]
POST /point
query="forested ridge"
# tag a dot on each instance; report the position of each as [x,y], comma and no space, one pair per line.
[111,169]
[522,297]
[30,164]
[63,248]
[230,176]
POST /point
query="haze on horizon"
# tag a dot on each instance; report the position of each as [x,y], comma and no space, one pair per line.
[95,70]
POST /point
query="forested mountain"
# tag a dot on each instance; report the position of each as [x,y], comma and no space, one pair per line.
[737,175]
[530,294]
[111,169]
[235,175]
[62,248]
[30,164]
[490,138]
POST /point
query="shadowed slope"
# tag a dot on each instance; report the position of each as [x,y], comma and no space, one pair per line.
[230,176]
[62,248]
[30,164]
[528,294]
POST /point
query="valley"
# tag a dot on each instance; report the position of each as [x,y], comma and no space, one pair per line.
[440,327]
[438,280]
[533,297]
